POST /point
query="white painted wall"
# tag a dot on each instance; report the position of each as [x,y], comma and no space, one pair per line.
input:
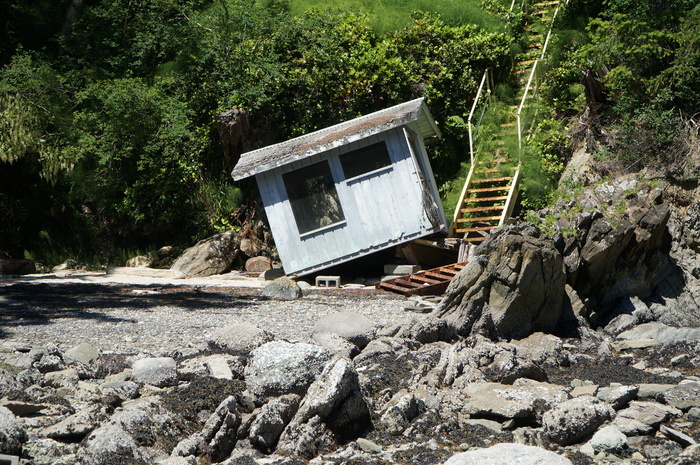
[382,208]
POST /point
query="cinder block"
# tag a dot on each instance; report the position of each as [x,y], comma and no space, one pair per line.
[9,459]
[328,281]
[401,269]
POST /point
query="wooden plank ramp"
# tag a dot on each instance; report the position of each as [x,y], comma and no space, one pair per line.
[428,282]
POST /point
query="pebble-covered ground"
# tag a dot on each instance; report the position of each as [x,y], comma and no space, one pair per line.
[159,319]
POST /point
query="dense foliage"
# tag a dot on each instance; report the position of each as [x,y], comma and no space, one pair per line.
[108,115]
[641,66]
[108,139]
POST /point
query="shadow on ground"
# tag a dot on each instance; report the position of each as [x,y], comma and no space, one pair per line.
[34,304]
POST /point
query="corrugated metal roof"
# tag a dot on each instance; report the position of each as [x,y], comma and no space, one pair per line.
[272,156]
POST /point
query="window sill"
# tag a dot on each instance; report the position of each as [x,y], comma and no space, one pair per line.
[316,232]
[369,174]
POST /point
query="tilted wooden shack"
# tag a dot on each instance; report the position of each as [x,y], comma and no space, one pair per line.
[349,190]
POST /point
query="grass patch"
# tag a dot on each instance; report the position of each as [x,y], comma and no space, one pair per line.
[386,16]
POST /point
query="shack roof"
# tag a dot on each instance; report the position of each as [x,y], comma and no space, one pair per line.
[272,156]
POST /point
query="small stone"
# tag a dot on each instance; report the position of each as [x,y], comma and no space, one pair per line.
[609,440]
[368,446]
[678,436]
[218,366]
[158,372]
[283,289]
[679,359]
[83,353]
[258,264]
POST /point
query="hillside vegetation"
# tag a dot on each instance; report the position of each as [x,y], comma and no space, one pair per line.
[108,142]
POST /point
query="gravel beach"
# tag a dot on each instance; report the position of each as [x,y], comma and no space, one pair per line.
[127,313]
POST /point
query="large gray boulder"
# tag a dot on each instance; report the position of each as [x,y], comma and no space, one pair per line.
[211,256]
[336,399]
[573,420]
[280,367]
[158,371]
[12,435]
[238,338]
[514,287]
[271,420]
[136,435]
[351,326]
[508,454]
[218,437]
[524,400]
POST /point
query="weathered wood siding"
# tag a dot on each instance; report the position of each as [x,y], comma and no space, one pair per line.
[382,208]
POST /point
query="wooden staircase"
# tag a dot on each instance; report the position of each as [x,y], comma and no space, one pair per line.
[430,282]
[487,199]
[491,189]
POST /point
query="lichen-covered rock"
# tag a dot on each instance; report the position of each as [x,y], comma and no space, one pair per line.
[507,454]
[524,400]
[389,364]
[238,338]
[218,437]
[283,289]
[158,371]
[400,412]
[80,424]
[356,328]
[610,440]
[136,435]
[642,417]
[12,435]
[617,396]
[211,256]
[573,420]
[280,367]
[308,439]
[684,396]
[335,398]
[271,420]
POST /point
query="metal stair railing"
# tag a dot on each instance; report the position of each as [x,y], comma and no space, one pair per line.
[486,79]
[520,123]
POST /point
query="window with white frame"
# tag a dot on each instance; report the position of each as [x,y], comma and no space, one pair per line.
[313,197]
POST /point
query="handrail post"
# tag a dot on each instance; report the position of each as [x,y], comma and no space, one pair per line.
[471,115]
[471,143]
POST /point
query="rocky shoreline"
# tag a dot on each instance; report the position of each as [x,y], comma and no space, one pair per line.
[364,393]
[573,341]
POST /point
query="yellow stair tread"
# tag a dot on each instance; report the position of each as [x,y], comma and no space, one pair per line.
[495,160]
[481,228]
[489,189]
[486,199]
[481,209]
[485,180]
[481,218]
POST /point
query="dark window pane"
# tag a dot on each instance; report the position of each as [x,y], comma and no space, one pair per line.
[364,160]
[313,197]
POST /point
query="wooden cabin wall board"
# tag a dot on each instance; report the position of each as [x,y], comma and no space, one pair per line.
[407,186]
[278,211]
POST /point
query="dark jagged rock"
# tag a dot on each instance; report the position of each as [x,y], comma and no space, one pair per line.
[513,288]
